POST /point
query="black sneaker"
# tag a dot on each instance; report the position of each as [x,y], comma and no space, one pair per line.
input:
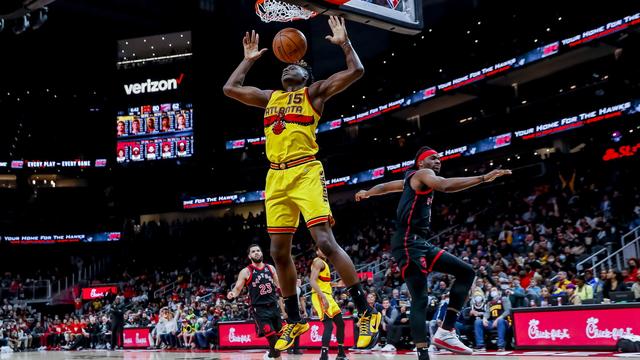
[324,354]
[423,353]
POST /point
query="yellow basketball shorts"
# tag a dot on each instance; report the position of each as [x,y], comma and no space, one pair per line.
[331,311]
[296,190]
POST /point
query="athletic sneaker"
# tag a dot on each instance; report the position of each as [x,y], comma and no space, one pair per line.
[388,347]
[480,349]
[423,353]
[433,349]
[289,334]
[369,325]
[376,348]
[341,354]
[266,356]
[448,340]
[324,354]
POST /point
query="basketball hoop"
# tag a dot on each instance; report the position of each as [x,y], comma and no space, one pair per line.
[280,11]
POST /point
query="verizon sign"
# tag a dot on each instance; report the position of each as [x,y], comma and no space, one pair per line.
[595,327]
[153,86]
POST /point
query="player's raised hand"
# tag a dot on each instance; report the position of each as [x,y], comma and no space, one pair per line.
[250,44]
[494,174]
[339,31]
[361,195]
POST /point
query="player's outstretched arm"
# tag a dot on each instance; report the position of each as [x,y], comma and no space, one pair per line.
[428,177]
[237,288]
[380,189]
[322,90]
[234,87]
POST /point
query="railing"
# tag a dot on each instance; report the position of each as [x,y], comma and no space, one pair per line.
[594,258]
[163,291]
[39,290]
[631,235]
[87,273]
[617,259]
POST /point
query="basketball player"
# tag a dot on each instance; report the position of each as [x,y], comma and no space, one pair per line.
[326,307]
[417,257]
[295,182]
[262,281]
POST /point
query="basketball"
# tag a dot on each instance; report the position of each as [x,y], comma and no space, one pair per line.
[289,45]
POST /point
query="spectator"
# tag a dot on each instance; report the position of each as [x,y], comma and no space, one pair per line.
[636,288]
[389,316]
[496,315]
[560,287]
[614,283]
[574,298]
[584,291]
[633,270]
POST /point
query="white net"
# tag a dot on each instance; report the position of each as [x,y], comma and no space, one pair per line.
[274,10]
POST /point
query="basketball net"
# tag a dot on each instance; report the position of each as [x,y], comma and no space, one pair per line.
[280,11]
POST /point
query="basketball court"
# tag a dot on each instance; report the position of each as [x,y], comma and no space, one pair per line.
[257,355]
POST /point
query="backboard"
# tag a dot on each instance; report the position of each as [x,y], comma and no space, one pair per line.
[401,16]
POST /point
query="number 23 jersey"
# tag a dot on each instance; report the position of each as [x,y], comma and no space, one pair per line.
[262,287]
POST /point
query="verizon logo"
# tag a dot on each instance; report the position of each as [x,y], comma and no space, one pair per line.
[153,86]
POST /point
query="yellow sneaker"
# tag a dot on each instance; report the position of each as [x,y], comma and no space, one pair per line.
[289,334]
[368,334]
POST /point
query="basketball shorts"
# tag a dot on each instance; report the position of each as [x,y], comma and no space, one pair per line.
[331,311]
[268,319]
[300,189]
[409,248]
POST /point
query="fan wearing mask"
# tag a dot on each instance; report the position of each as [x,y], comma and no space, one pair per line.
[496,316]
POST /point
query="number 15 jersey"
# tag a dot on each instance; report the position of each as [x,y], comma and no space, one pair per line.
[290,124]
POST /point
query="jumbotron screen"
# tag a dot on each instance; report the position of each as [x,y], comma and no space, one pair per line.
[154,132]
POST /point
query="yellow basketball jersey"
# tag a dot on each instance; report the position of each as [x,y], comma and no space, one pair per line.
[290,123]
[324,279]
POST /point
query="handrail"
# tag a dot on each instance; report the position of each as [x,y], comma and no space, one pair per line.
[615,255]
[633,232]
[592,258]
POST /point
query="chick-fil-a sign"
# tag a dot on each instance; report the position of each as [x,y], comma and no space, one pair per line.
[243,335]
[135,338]
[98,292]
[588,327]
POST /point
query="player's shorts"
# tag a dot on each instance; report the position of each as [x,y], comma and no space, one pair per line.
[294,188]
[409,248]
[331,311]
[268,320]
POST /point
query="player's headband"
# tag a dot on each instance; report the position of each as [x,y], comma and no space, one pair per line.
[425,155]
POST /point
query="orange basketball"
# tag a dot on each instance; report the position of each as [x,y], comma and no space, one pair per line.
[289,45]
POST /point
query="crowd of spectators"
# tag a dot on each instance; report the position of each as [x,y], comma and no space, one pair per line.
[523,243]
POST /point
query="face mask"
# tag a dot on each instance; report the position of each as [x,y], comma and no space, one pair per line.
[504,286]
[562,257]
[494,294]
[551,259]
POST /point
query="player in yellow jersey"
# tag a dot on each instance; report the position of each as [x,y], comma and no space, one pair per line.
[325,305]
[295,181]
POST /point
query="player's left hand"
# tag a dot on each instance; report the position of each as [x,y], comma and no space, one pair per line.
[361,195]
[339,31]
[494,174]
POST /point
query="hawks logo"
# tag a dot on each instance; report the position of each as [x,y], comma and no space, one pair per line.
[423,262]
[279,126]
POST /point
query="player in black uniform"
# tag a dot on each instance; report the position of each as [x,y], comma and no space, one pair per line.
[417,257]
[264,290]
